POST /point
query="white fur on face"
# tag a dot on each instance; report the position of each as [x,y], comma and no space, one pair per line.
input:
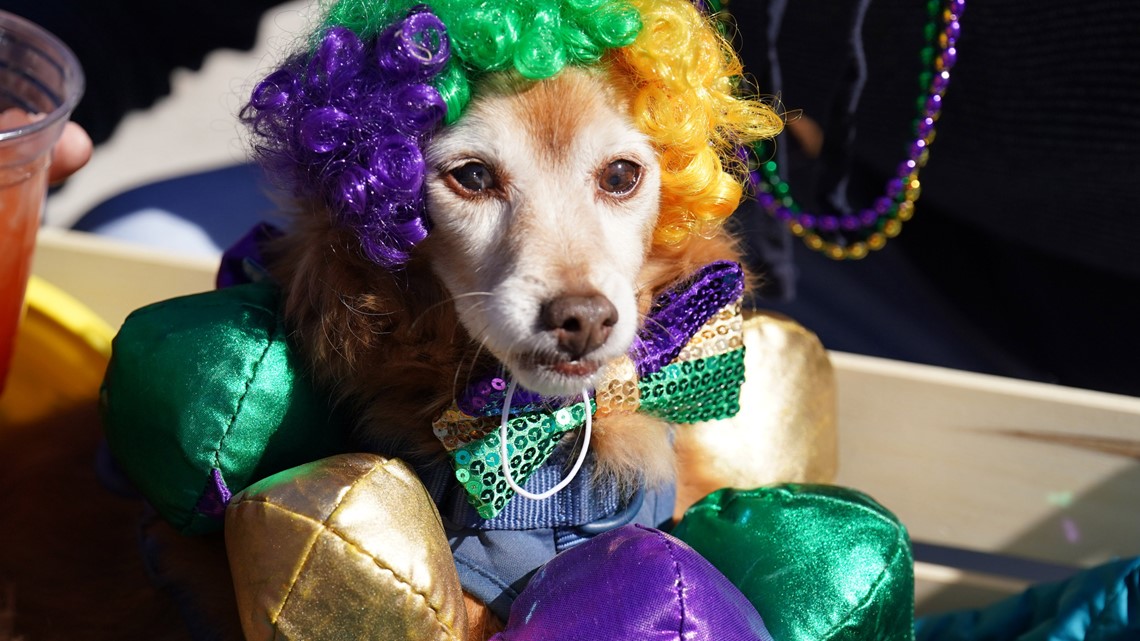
[547,229]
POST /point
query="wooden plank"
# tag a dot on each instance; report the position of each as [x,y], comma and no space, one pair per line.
[115,278]
[993,464]
[940,588]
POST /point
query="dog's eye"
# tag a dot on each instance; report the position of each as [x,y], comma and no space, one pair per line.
[474,177]
[619,177]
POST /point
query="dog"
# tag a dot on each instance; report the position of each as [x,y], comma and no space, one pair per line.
[544,198]
[553,227]
[537,259]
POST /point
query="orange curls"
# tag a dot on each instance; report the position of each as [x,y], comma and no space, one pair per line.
[683,78]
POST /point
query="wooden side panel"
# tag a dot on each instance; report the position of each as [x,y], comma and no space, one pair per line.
[993,464]
[115,278]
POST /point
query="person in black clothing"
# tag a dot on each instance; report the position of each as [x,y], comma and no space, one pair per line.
[1023,257]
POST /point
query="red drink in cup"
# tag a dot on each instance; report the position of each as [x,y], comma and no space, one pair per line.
[19,217]
[40,84]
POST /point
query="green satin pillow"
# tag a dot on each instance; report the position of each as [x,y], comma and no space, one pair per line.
[819,562]
[204,396]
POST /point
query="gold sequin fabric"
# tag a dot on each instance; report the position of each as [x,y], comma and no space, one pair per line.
[701,384]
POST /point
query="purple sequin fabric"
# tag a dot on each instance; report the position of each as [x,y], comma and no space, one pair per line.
[485,397]
[678,313]
[344,126]
[676,316]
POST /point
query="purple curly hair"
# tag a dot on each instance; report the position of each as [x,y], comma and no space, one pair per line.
[344,126]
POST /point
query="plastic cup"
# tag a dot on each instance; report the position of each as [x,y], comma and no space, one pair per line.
[40,83]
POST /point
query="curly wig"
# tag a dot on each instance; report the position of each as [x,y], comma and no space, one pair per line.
[344,122]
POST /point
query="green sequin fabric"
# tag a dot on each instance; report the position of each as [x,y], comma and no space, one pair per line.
[706,389]
[701,384]
[532,439]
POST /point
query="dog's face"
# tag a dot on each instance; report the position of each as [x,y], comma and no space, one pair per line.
[542,200]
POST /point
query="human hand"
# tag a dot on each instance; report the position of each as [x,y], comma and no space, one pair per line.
[70,153]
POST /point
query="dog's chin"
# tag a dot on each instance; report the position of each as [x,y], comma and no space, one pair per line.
[557,377]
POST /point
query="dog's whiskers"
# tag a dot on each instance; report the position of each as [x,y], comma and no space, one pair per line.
[446,301]
[470,369]
[646,318]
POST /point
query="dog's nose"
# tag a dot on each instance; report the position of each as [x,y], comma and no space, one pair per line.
[580,323]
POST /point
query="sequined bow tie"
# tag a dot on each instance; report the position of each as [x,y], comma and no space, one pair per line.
[686,365]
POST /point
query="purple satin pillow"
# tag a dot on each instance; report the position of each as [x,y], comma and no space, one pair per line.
[632,583]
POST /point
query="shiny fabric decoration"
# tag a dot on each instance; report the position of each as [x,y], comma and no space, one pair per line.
[203,396]
[349,547]
[1098,604]
[678,314]
[632,583]
[705,389]
[485,398]
[690,359]
[819,562]
[476,451]
[785,431]
[696,318]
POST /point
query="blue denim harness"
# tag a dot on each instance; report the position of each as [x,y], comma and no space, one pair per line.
[496,557]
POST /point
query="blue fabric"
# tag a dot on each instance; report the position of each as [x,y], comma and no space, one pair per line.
[496,558]
[200,213]
[495,565]
[1099,604]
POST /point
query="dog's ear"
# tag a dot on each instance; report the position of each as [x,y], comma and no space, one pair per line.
[334,309]
[385,342]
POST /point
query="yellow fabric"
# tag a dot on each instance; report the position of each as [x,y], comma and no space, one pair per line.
[786,428]
[61,354]
[349,547]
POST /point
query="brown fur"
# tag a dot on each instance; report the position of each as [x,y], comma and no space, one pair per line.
[553,121]
[391,346]
[388,345]
[481,624]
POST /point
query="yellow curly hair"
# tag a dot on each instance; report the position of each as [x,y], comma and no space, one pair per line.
[683,77]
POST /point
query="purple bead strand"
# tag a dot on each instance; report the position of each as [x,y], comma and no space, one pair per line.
[896,188]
